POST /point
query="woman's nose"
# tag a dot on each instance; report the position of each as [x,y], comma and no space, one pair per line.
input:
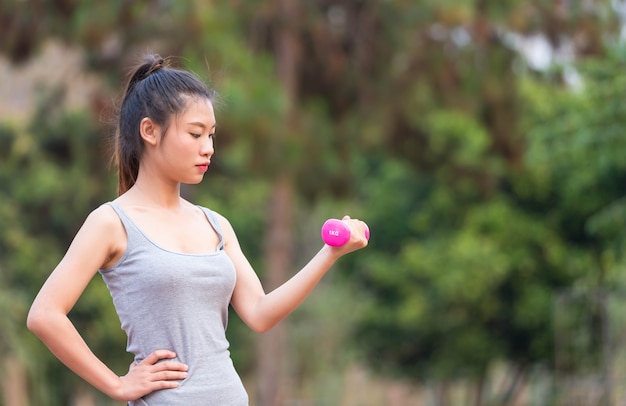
[207,147]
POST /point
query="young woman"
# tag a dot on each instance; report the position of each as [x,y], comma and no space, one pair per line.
[172,267]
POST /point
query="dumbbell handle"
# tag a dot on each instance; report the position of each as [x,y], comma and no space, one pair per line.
[336,232]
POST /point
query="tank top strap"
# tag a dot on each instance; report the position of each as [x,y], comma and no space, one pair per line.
[129,225]
[215,224]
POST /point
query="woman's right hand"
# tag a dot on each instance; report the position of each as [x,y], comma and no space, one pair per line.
[151,374]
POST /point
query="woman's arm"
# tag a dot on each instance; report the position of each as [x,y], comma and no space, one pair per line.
[261,311]
[100,241]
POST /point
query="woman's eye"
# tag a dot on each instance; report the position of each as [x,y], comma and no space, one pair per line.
[196,135]
[212,135]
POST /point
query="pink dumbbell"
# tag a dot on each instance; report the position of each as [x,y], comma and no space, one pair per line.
[336,232]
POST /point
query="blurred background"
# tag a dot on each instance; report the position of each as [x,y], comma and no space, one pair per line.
[481,140]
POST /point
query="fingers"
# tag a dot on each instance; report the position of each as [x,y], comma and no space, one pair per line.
[157,355]
[359,232]
[156,371]
[169,376]
[169,366]
[363,233]
[164,370]
[361,227]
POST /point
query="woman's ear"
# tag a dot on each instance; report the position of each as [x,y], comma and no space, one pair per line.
[149,131]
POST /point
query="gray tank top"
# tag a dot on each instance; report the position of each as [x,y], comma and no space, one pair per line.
[179,302]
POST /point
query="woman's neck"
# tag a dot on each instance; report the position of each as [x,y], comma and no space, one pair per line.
[155,193]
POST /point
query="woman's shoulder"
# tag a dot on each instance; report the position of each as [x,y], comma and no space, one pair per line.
[105,224]
[103,218]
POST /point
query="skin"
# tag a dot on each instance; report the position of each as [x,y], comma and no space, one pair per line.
[155,205]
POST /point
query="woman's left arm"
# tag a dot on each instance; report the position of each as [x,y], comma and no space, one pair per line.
[261,311]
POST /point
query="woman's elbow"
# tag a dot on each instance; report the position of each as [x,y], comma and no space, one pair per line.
[258,317]
[262,326]
[260,329]
[36,320]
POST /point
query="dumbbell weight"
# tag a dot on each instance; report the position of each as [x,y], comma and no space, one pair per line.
[336,232]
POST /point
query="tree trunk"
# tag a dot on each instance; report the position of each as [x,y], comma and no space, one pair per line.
[83,396]
[14,384]
[514,387]
[443,393]
[273,386]
[478,389]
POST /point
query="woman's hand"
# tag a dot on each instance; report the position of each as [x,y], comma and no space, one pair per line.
[357,239]
[151,375]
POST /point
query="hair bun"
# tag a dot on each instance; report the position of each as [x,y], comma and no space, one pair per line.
[157,63]
[150,64]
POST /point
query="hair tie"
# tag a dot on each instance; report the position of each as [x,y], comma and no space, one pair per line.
[155,67]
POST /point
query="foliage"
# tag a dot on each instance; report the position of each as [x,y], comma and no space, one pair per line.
[585,131]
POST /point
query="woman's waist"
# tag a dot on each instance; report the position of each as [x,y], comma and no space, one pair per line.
[187,354]
[210,380]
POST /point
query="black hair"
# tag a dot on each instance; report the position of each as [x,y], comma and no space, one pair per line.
[159,92]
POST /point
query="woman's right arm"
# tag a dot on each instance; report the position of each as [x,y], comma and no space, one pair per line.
[98,243]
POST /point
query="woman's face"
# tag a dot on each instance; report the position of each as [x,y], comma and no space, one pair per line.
[186,148]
